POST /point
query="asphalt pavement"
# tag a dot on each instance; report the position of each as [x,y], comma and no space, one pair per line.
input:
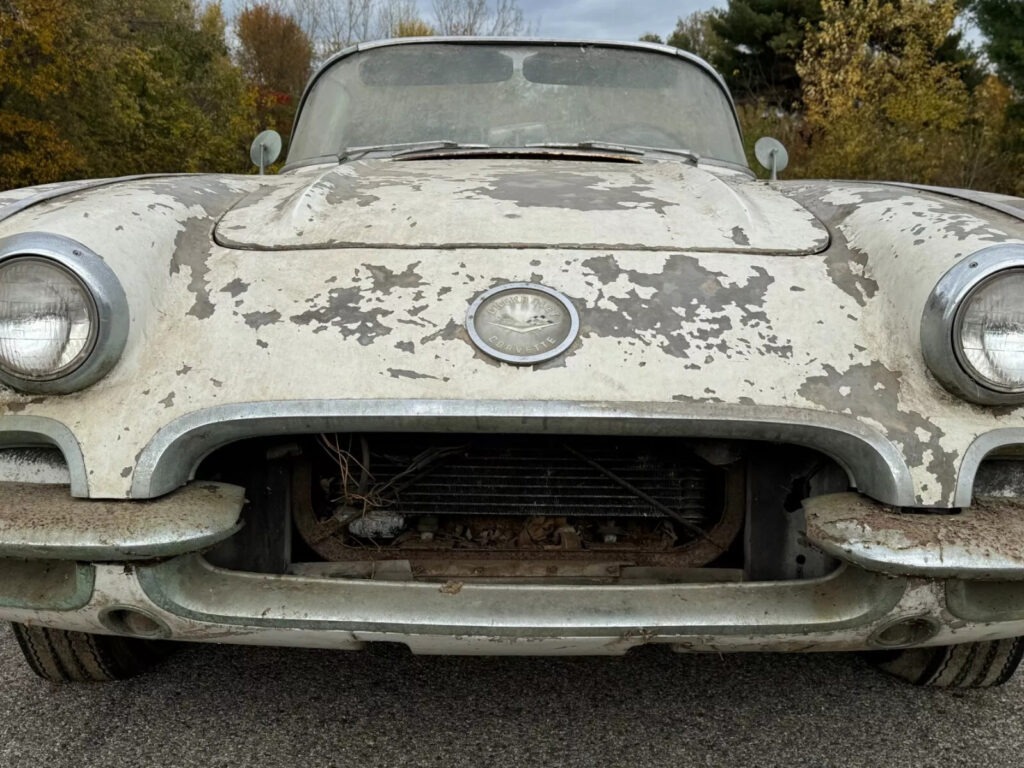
[230,706]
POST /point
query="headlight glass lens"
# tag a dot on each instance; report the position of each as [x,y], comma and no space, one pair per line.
[47,319]
[991,332]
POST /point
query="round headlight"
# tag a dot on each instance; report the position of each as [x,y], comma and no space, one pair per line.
[972,328]
[48,319]
[989,332]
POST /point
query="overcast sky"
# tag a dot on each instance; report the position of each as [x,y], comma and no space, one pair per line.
[608,19]
[597,19]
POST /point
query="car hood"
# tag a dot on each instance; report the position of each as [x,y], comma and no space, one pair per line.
[515,202]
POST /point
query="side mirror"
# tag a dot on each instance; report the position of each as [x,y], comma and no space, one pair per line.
[265,149]
[772,155]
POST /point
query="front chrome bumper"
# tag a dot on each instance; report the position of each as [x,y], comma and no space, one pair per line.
[186,598]
[882,585]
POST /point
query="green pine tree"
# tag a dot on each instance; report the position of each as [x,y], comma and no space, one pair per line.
[762,41]
[1002,24]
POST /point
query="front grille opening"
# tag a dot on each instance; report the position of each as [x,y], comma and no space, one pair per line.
[525,497]
[510,506]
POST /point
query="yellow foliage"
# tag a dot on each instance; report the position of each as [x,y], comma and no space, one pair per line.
[113,87]
[412,28]
[37,61]
[878,102]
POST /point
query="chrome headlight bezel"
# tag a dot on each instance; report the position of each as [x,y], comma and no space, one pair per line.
[109,303]
[942,319]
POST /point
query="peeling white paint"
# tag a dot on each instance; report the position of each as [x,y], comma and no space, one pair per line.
[772,330]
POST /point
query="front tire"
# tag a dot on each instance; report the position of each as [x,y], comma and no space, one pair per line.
[970,665]
[62,656]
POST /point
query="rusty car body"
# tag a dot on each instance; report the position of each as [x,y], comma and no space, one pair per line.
[515,355]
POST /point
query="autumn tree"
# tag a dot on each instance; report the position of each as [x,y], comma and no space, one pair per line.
[273,50]
[276,56]
[412,28]
[160,91]
[401,18]
[878,100]
[37,62]
[112,87]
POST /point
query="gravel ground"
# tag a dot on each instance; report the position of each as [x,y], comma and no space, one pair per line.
[213,706]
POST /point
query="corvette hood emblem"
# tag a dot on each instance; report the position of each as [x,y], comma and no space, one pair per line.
[522,323]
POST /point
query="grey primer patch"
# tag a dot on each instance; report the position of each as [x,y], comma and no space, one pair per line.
[552,188]
[192,247]
[687,309]
[235,288]
[343,311]
[696,400]
[847,268]
[739,236]
[450,332]
[384,280]
[398,373]
[168,401]
[405,346]
[183,370]
[126,471]
[874,392]
[194,244]
[258,319]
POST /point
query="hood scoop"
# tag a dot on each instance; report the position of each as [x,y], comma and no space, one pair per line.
[488,202]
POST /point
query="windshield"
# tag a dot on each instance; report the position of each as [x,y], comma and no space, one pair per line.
[505,95]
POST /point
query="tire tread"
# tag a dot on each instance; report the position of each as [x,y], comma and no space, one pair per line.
[983,664]
[64,656]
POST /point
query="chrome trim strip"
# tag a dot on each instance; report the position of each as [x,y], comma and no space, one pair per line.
[510,41]
[939,322]
[191,588]
[975,454]
[33,431]
[873,463]
[11,209]
[111,304]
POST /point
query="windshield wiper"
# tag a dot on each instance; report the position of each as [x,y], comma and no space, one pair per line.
[605,146]
[626,149]
[689,154]
[405,148]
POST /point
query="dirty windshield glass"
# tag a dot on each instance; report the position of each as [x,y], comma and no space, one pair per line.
[514,96]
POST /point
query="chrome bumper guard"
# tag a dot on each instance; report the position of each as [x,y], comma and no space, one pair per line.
[44,522]
[984,541]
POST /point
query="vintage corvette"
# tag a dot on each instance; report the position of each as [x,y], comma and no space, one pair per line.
[515,355]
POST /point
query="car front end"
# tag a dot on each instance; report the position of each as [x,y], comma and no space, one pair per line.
[514,394]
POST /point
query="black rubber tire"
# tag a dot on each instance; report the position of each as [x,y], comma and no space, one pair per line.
[61,656]
[970,665]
